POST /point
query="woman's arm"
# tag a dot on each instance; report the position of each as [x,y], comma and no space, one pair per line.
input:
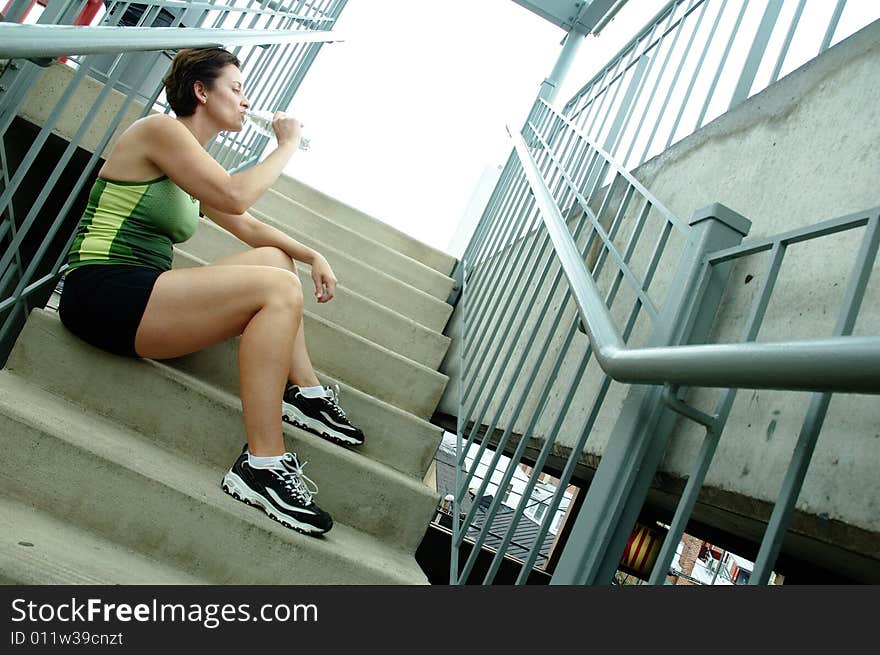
[257,234]
[171,147]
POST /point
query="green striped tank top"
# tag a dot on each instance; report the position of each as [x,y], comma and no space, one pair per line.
[133,223]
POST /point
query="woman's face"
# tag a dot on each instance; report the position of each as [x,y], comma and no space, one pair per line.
[226,101]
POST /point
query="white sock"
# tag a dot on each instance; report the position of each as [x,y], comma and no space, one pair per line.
[313,392]
[273,462]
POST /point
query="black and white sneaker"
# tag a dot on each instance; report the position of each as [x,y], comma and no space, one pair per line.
[284,494]
[323,416]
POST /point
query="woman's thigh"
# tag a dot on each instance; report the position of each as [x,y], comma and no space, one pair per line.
[194,308]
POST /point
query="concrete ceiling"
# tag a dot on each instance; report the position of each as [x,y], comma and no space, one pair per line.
[583,15]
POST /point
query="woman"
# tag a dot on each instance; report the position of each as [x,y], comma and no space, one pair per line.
[120,293]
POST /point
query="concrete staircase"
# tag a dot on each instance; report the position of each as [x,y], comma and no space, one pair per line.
[113,465]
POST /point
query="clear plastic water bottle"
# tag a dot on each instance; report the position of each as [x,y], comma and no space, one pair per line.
[261,120]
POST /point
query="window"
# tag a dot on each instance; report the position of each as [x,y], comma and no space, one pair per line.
[507,493]
[540,510]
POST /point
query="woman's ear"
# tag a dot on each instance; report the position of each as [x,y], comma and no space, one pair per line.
[200,91]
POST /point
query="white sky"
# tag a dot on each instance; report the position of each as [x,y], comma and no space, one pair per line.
[407,114]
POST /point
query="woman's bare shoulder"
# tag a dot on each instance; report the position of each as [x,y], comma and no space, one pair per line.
[156,123]
[130,158]
[144,130]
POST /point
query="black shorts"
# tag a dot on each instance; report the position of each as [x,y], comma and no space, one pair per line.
[103,304]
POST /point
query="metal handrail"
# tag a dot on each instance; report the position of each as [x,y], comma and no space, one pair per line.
[32,41]
[847,364]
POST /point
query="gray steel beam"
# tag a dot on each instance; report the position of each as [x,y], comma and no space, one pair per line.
[550,85]
[574,14]
[41,41]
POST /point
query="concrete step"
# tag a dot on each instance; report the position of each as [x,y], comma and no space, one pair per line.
[362,316]
[303,224]
[364,224]
[115,483]
[204,423]
[210,242]
[38,549]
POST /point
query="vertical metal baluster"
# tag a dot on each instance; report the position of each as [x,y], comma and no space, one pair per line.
[485,224]
[506,284]
[573,108]
[488,297]
[638,131]
[519,191]
[697,69]
[627,106]
[641,73]
[510,194]
[538,411]
[593,131]
[519,365]
[493,508]
[787,43]
[812,425]
[721,63]
[593,106]
[714,428]
[832,26]
[756,53]
[678,33]
[488,312]
[498,377]
[488,368]
[460,427]
[506,332]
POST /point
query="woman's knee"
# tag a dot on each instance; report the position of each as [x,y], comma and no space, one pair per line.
[281,287]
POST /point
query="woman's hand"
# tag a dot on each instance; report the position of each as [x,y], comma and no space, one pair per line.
[325,281]
[286,128]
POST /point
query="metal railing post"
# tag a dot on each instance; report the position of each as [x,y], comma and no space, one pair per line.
[638,439]
[550,85]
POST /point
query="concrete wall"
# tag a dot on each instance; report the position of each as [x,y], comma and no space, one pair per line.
[47,92]
[802,151]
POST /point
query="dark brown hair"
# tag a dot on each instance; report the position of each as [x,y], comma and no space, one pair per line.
[190,66]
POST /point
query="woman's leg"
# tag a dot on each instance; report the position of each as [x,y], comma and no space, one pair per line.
[323,416]
[194,308]
[301,372]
